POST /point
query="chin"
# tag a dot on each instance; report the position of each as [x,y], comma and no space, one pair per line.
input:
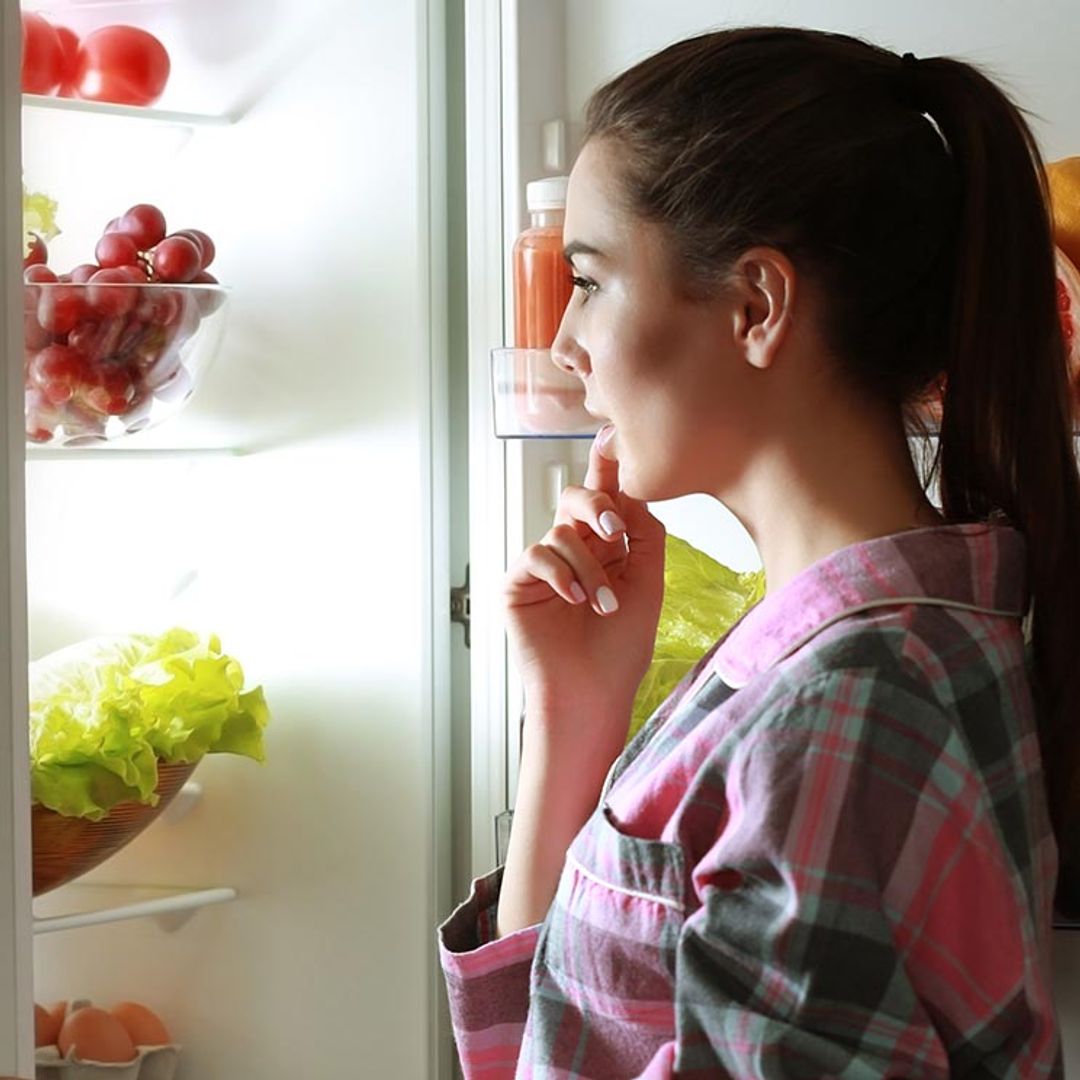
[648,488]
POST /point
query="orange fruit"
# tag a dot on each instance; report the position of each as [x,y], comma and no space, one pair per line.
[1064,178]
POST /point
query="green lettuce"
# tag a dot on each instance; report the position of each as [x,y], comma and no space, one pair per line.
[104,712]
[703,599]
[39,216]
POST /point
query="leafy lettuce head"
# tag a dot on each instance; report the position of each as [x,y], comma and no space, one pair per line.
[39,217]
[703,599]
[103,712]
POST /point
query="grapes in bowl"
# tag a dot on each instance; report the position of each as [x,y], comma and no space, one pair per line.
[116,346]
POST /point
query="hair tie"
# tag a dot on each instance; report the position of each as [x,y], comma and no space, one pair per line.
[908,83]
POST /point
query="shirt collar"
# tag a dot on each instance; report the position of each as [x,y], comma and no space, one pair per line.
[980,567]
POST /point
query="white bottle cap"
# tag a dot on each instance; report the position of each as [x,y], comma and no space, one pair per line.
[546,194]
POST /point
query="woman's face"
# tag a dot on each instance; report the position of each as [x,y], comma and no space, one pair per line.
[661,366]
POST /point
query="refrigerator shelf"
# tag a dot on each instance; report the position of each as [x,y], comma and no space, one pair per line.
[175,901]
[101,108]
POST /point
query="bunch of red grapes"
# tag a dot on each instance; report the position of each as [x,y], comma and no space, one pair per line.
[106,339]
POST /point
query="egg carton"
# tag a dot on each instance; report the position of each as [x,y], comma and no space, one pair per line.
[152,1063]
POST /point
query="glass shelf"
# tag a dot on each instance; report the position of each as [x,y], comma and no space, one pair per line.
[120,449]
[101,108]
[175,901]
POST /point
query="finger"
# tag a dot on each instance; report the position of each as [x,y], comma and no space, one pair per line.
[539,572]
[595,509]
[602,473]
[573,549]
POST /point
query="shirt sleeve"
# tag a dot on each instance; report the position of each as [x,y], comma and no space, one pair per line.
[859,916]
[487,982]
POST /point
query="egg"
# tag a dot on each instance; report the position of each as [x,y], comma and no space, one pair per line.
[92,1034]
[47,1023]
[142,1024]
[43,1033]
[57,1014]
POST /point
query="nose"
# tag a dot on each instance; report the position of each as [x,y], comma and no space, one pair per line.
[567,352]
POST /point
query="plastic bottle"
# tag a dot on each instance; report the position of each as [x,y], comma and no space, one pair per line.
[542,278]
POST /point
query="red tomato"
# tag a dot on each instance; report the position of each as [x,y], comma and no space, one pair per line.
[42,55]
[121,64]
[69,51]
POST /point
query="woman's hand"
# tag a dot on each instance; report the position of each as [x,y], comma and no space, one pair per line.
[582,604]
[581,659]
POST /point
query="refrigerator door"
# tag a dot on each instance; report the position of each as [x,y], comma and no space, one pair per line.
[16,956]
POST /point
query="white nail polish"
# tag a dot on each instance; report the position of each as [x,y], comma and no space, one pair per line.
[606,599]
[611,523]
[577,592]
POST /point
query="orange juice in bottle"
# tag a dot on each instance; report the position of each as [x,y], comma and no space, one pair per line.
[542,279]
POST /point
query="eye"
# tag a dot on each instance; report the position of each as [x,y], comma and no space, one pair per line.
[586,285]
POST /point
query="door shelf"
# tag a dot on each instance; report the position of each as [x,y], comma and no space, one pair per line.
[173,909]
[101,108]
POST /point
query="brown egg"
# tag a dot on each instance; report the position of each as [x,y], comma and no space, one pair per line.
[93,1035]
[47,1023]
[44,1035]
[143,1025]
[58,1011]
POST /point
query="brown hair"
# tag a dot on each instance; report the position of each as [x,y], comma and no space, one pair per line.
[932,241]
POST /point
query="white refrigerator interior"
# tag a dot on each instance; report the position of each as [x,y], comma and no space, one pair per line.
[541,59]
[295,508]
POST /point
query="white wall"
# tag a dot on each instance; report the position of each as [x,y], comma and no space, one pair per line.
[1030,46]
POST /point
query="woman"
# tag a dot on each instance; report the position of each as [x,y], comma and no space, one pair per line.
[831,852]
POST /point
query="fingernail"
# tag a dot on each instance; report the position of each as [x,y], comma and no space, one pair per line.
[603,436]
[577,592]
[606,599]
[611,523]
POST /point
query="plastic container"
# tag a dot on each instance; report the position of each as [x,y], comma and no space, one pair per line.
[535,399]
[542,279]
[104,361]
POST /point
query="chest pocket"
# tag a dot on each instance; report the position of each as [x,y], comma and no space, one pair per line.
[608,945]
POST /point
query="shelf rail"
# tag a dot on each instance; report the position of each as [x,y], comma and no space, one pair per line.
[165,905]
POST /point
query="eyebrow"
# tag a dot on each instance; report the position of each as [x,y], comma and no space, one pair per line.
[579,247]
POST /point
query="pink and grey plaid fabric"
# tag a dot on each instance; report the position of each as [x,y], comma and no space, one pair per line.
[827,855]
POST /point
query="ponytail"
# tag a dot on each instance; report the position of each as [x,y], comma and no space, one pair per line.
[1006,437]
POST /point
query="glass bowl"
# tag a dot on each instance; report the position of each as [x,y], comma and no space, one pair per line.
[536,399]
[102,361]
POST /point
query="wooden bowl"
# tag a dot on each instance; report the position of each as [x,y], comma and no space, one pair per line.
[66,847]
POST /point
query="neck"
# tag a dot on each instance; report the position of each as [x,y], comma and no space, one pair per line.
[848,479]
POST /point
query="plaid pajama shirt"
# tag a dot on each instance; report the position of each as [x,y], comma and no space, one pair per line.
[827,854]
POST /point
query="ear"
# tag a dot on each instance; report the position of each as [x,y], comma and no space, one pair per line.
[764,283]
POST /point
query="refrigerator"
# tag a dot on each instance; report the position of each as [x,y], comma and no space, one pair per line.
[333,501]
[298,507]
